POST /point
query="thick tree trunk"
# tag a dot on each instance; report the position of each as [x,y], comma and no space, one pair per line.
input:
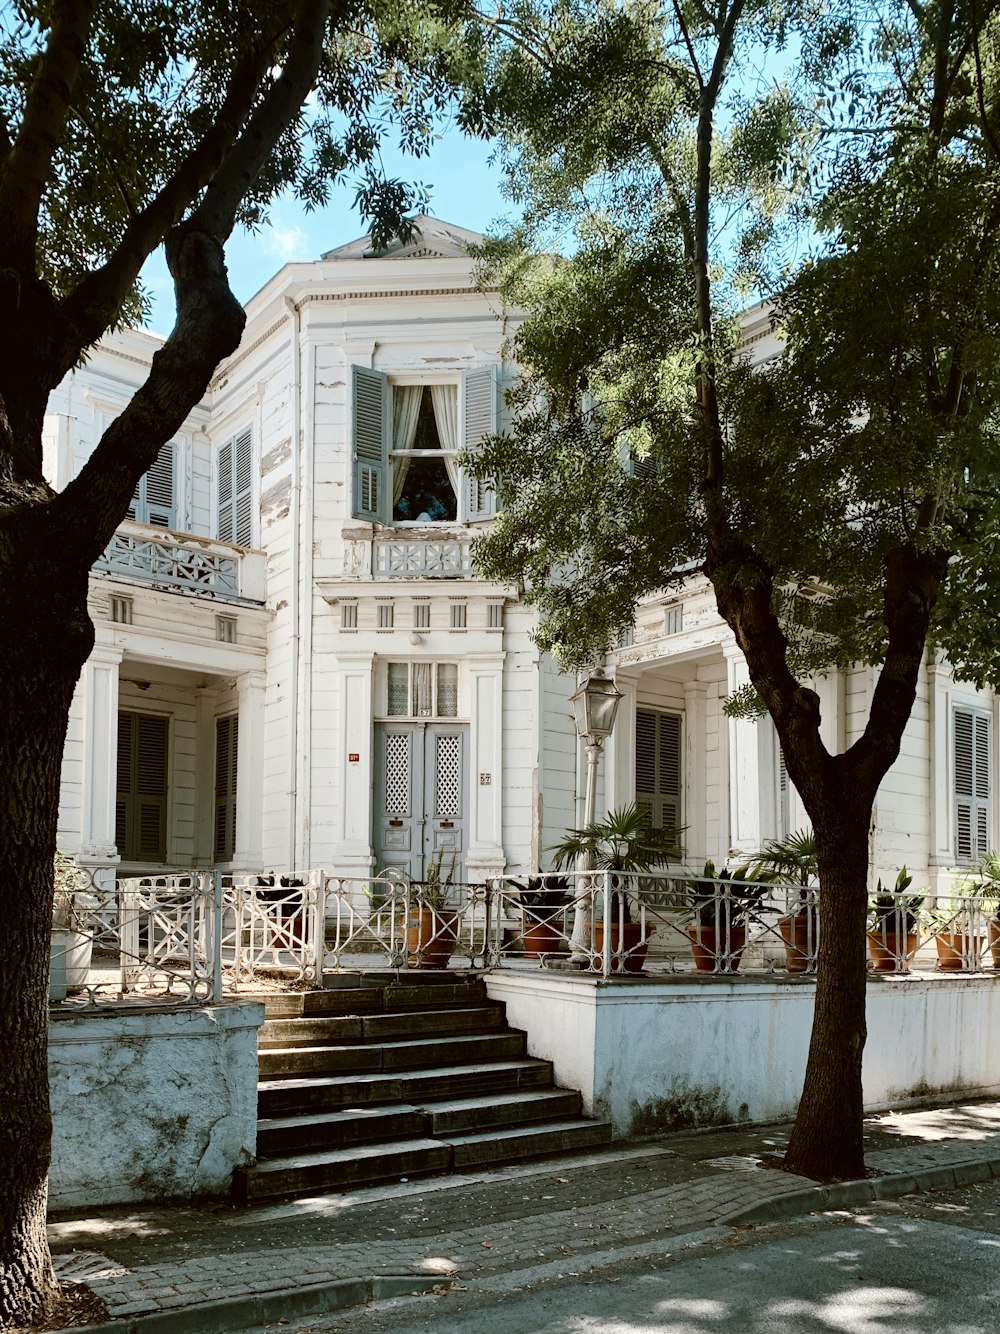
[46,636]
[827,1139]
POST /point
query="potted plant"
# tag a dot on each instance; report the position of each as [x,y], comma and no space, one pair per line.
[894,935]
[722,904]
[431,925]
[957,930]
[989,874]
[625,843]
[72,943]
[793,860]
[543,903]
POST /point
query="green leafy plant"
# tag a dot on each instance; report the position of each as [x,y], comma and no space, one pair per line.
[73,897]
[438,879]
[791,859]
[717,897]
[626,841]
[894,910]
[543,894]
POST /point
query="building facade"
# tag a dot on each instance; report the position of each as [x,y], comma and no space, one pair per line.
[296,665]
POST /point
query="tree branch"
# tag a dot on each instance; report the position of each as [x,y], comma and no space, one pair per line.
[24,171]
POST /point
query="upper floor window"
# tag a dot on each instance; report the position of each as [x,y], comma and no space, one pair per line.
[153,501]
[234,490]
[406,440]
[972,783]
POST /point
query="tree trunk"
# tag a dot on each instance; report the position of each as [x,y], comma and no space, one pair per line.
[46,638]
[827,1139]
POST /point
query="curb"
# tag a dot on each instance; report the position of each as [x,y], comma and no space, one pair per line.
[258,1308]
[850,1194]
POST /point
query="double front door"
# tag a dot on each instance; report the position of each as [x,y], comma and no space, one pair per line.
[420,798]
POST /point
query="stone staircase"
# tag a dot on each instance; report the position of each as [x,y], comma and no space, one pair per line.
[384,1078]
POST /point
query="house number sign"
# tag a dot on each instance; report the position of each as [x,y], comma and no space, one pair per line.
[353,757]
[485,780]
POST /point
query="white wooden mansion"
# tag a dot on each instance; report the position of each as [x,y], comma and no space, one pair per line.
[296,665]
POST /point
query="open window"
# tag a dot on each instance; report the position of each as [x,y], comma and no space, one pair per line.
[153,501]
[407,438]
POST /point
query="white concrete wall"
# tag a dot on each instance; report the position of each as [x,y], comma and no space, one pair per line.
[653,1056]
[151,1105]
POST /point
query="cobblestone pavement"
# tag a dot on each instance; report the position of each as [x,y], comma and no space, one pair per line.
[494,1230]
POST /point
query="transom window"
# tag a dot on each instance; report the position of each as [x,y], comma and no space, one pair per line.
[422,689]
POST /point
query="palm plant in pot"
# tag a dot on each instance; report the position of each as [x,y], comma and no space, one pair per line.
[543,906]
[625,843]
[989,874]
[894,935]
[72,941]
[793,861]
[722,904]
[957,926]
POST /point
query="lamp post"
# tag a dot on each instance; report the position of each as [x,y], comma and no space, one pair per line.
[595,706]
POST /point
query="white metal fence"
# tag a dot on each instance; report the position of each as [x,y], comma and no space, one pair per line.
[189,938]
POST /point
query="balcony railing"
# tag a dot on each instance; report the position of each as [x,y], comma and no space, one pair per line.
[186,563]
[402,558]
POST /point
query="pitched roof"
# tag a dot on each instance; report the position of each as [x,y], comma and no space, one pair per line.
[432,239]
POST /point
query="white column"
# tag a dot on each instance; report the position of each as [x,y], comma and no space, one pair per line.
[747,764]
[485,855]
[248,854]
[356,737]
[619,749]
[100,753]
[694,813]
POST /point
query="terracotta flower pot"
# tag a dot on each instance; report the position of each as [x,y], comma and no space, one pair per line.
[430,938]
[995,941]
[540,938]
[629,947]
[950,946]
[708,947]
[889,951]
[798,938]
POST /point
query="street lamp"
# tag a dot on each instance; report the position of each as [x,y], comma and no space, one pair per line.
[595,706]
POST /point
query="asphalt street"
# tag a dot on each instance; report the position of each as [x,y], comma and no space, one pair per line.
[926,1264]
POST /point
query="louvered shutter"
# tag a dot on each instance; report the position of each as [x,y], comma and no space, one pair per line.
[234,489]
[658,766]
[479,420]
[372,424]
[972,783]
[226,750]
[141,806]
[158,487]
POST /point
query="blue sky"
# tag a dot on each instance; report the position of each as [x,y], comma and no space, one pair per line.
[465,189]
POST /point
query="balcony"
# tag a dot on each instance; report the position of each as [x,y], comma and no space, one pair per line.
[402,558]
[183,563]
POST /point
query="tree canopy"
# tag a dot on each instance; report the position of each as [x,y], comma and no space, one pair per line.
[839,163]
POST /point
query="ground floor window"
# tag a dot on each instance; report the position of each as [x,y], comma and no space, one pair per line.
[226,748]
[141,796]
[972,783]
[658,765]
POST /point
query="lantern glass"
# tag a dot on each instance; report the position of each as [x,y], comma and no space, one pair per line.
[595,705]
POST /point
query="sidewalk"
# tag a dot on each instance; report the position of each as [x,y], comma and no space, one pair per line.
[198,1270]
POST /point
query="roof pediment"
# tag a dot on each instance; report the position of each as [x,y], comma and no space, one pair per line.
[432,239]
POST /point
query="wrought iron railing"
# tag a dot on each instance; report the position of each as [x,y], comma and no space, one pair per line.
[191,937]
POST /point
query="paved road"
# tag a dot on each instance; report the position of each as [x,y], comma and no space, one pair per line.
[927,1264]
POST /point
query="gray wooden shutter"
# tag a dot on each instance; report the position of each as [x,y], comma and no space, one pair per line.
[372,426]
[234,489]
[479,420]
[141,805]
[658,766]
[972,784]
[226,752]
[158,484]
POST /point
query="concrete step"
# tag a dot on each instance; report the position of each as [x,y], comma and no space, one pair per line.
[356,1125]
[415,1054]
[284,1097]
[366,995]
[329,1030]
[361,1164]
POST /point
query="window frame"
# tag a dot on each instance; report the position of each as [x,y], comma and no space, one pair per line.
[237,494]
[980,830]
